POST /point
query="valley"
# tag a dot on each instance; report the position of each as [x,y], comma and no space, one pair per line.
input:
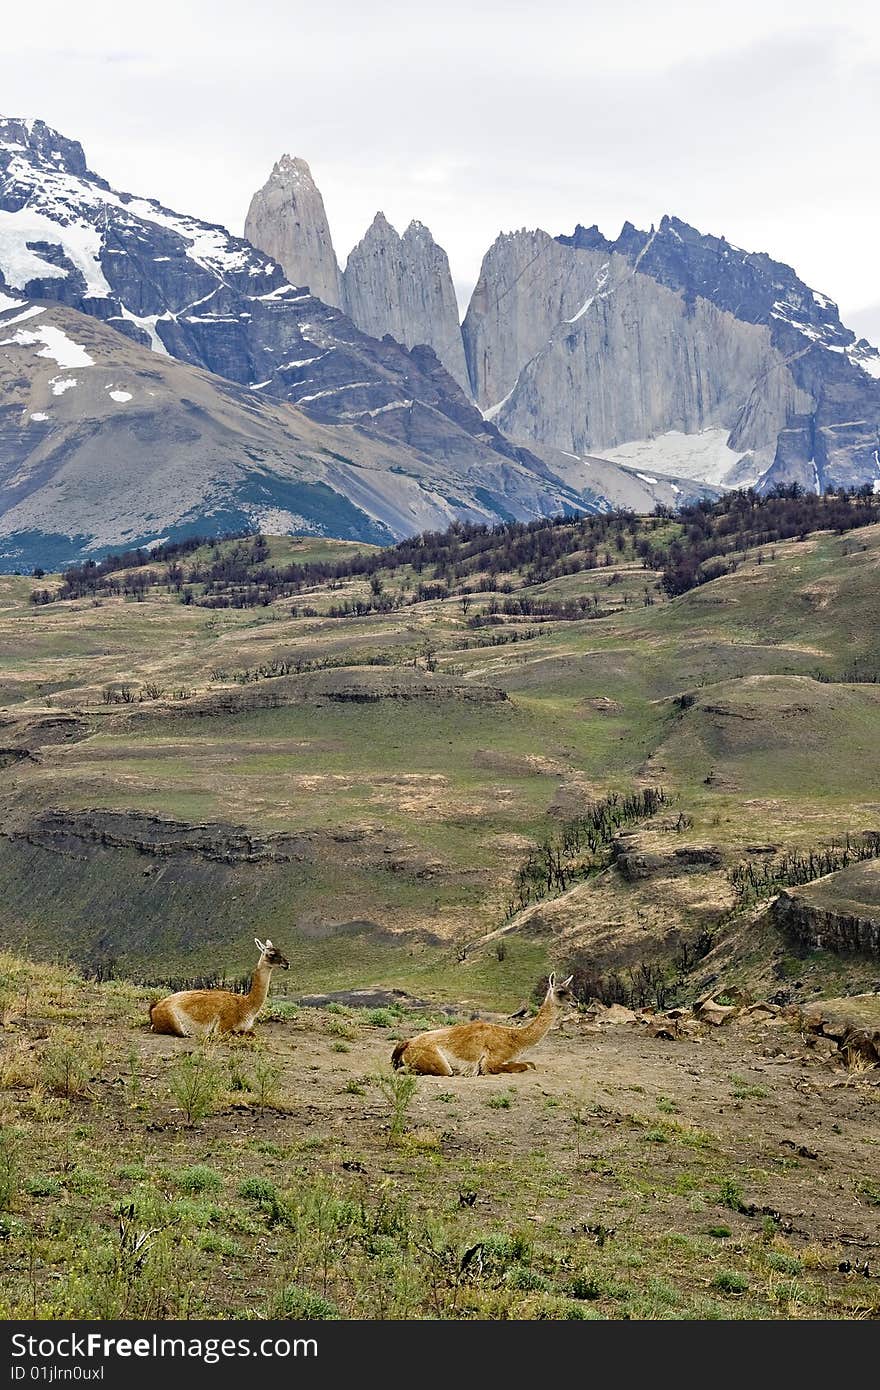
[432,773]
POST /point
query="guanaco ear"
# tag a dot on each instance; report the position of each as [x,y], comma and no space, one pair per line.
[267,945]
[566,983]
[260,945]
[551,981]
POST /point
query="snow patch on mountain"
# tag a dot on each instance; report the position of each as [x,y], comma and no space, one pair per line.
[22,232]
[56,345]
[706,456]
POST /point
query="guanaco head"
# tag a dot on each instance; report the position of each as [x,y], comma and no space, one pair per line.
[561,993]
[270,955]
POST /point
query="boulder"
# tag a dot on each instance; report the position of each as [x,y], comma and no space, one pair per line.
[716,1014]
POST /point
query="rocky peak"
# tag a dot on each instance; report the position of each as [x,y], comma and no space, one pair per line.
[35,138]
[403,286]
[287,220]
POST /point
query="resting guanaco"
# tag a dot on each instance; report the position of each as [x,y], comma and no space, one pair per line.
[482,1049]
[197,1012]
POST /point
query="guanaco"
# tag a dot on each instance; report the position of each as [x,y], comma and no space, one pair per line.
[199,1012]
[482,1049]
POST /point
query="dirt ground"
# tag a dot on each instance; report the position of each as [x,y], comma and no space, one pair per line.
[607,1112]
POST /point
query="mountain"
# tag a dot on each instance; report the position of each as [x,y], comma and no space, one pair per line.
[402,285]
[668,350]
[286,219]
[107,445]
[676,350]
[151,293]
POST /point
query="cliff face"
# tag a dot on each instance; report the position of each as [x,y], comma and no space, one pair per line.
[840,912]
[287,221]
[587,344]
[403,286]
[573,348]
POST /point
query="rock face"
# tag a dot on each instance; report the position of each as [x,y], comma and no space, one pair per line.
[586,344]
[286,219]
[403,286]
[840,912]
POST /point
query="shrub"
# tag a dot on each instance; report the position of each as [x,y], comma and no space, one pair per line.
[68,1064]
[381,1018]
[196,1084]
[264,1080]
[10,1149]
[585,1286]
[399,1090]
[730,1195]
[258,1190]
[525,1279]
[43,1185]
[198,1178]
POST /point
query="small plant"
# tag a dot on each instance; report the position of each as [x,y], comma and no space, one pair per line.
[730,1195]
[354,1088]
[525,1279]
[133,1081]
[280,1011]
[68,1065]
[667,1106]
[10,1149]
[784,1263]
[585,1286]
[381,1018]
[301,1304]
[43,1185]
[869,1189]
[264,1082]
[502,1101]
[341,1028]
[340,1047]
[399,1091]
[728,1281]
[258,1190]
[196,1083]
[198,1179]
[743,1090]
[719,1232]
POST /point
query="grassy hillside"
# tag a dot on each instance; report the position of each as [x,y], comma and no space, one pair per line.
[434,770]
[352,714]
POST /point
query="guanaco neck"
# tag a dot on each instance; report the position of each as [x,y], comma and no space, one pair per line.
[531,1033]
[259,985]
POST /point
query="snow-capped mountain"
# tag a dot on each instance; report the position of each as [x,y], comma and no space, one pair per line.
[187,293]
[668,349]
[105,445]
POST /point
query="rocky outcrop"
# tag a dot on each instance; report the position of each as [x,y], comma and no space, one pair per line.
[840,912]
[362,685]
[402,285]
[639,856]
[287,220]
[850,1025]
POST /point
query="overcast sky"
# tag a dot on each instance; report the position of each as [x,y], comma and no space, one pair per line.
[758,119]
